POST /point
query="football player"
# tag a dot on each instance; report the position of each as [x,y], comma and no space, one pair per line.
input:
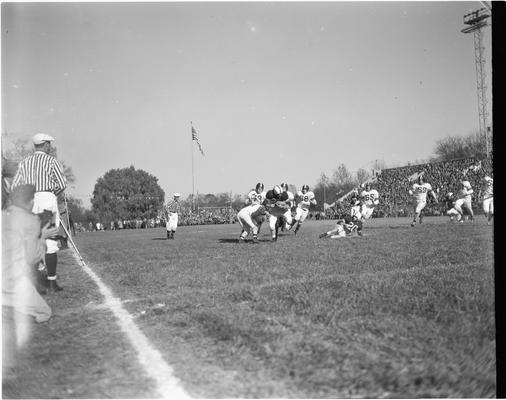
[488,199]
[344,228]
[277,204]
[370,199]
[354,204]
[419,192]
[304,200]
[257,195]
[286,221]
[450,207]
[251,218]
[464,200]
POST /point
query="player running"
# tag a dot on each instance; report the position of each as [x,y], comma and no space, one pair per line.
[277,203]
[488,199]
[464,200]
[419,192]
[304,199]
[285,222]
[257,195]
[370,199]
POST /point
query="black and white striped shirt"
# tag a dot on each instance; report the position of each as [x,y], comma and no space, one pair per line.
[173,206]
[43,171]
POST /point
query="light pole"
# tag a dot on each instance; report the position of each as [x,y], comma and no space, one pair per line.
[476,21]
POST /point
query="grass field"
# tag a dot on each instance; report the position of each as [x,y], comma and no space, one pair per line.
[401,312]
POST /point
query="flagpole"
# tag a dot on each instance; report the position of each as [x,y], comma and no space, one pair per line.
[193,175]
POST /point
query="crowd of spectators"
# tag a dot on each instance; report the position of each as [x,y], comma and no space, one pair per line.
[203,216]
[445,176]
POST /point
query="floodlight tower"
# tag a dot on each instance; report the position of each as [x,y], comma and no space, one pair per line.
[476,21]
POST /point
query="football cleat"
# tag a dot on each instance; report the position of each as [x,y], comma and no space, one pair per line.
[322,235]
[413,223]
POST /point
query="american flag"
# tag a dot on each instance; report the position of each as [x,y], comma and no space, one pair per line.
[195,137]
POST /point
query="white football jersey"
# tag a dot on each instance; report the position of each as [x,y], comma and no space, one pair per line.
[291,198]
[304,199]
[489,190]
[369,197]
[420,191]
[465,193]
[256,198]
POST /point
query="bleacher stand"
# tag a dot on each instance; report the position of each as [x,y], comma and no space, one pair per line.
[444,176]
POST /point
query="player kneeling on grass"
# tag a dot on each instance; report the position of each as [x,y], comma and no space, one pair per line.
[344,227]
[304,200]
[251,218]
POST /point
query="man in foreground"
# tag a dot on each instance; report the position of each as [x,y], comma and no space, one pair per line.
[45,173]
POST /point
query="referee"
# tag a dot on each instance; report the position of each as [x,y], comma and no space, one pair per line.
[45,172]
[172,209]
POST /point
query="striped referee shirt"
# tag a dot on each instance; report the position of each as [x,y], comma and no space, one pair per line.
[173,206]
[43,171]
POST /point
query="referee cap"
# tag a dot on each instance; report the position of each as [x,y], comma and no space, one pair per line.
[40,138]
[177,195]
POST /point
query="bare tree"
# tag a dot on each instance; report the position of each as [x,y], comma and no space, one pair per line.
[362,175]
[454,147]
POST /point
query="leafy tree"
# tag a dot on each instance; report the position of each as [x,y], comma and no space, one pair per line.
[454,147]
[23,148]
[76,209]
[127,194]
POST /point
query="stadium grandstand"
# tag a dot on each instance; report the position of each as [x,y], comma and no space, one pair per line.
[444,176]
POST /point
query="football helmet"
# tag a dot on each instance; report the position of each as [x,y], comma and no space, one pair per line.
[259,187]
[305,188]
[368,186]
[420,179]
[466,184]
[277,190]
[284,186]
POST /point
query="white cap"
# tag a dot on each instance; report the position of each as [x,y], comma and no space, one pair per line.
[176,195]
[466,184]
[40,138]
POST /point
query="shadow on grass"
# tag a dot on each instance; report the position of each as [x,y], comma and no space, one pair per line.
[159,238]
[246,241]
[229,240]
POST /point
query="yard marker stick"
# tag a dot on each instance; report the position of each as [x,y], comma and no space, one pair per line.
[69,238]
[167,385]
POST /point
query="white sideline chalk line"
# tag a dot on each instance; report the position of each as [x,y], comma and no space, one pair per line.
[167,385]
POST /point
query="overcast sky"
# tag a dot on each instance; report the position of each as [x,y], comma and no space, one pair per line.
[278,92]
